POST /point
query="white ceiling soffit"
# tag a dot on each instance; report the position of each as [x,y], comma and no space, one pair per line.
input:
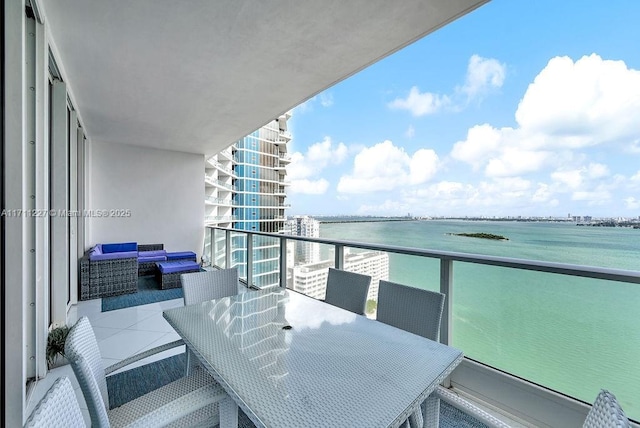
[197,75]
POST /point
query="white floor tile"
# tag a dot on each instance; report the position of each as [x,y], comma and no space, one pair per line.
[170,304]
[127,343]
[102,333]
[121,318]
[155,322]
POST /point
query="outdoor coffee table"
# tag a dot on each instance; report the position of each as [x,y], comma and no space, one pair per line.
[168,272]
[289,360]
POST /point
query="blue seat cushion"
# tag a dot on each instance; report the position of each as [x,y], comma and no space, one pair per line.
[177,255]
[177,266]
[146,259]
[120,247]
[95,256]
[152,253]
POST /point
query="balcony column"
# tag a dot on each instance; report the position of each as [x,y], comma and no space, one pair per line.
[249,260]
[283,262]
[227,248]
[446,288]
[339,261]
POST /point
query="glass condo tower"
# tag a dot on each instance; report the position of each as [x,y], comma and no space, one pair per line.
[245,188]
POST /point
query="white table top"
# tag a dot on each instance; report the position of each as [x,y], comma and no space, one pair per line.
[332,368]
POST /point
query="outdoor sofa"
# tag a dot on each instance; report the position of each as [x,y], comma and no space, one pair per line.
[113,269]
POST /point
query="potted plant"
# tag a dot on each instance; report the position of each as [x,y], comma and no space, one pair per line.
[55,346]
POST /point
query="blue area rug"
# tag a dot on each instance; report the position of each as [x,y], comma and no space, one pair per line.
[126,386]
[148,292]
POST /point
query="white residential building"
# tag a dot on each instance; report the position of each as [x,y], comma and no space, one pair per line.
[311,278]
[303,252]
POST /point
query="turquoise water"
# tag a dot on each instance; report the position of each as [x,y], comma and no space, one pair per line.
[570,334]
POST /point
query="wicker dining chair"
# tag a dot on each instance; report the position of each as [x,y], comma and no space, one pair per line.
[58,408]
[208,285]
[347,290]
[606,412]
[187,401]
[411,309]
[198,287]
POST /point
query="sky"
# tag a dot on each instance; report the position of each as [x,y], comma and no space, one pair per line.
[519,108]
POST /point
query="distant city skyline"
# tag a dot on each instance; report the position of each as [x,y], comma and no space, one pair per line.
[518,108]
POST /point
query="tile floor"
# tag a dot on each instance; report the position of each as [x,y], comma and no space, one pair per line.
[121,334]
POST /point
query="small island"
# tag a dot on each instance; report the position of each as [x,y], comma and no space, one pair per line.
[482,235]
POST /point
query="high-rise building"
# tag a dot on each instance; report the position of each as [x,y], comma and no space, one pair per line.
[303,252]
[245,188]
[311,278]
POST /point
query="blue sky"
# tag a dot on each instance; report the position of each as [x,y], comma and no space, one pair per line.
[519,108]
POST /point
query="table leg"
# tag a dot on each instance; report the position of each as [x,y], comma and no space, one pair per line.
[228,413]
[431,411]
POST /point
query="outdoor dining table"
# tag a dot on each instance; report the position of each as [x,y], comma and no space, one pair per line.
[287,359]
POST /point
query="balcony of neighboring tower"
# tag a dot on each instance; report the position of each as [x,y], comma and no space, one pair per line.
[220,167]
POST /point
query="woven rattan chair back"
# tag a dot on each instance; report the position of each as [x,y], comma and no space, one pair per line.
[202,286]
[411,309]
[82,351]
[606,412]
[347,290]
[58,408]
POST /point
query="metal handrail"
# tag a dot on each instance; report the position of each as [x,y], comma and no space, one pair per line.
[446,266]
[610,274]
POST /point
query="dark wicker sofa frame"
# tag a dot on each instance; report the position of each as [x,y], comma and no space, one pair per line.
[103,278]
[148,268]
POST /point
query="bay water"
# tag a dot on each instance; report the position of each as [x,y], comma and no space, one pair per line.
[573,335]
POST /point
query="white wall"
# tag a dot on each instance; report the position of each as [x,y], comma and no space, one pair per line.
[163,189]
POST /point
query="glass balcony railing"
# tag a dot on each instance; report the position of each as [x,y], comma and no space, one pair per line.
[568,328]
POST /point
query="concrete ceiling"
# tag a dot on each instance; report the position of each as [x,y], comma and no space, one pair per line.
[197,75]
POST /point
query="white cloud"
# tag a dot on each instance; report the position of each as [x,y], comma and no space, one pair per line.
[569,106]
[595,197]
[632,203]
[482,75]
[482,142]
[513,162]
[490,197]
[583,103]
[304,169]
[571,179]
[576,179]
[388,207]
[543,193]
[309,187]
[384,167]
[326,99]
[420,103]
[410,132]
[423,166]
[597,170]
